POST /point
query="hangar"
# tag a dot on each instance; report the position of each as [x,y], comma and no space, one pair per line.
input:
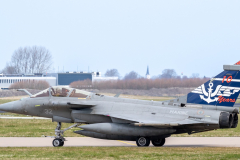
[69,77]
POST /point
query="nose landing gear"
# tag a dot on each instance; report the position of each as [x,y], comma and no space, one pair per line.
[59,138]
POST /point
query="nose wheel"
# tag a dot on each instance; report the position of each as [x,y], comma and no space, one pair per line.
[58,142]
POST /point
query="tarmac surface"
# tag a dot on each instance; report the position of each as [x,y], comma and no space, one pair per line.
[87,141]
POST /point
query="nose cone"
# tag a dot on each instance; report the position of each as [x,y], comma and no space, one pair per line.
[15,107]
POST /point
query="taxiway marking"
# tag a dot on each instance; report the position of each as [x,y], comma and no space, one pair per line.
[127,143]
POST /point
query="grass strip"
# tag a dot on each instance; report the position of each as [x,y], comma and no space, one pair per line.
[119,153]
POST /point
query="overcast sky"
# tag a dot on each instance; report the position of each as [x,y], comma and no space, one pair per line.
[185,35]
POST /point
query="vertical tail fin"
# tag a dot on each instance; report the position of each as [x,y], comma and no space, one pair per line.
[222,90]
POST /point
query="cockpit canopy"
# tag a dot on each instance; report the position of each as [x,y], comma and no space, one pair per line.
[58,91]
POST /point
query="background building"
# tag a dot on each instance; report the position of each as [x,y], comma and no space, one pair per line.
[94,79]
[7,79]
[53,79]
[69,77]
[96,76]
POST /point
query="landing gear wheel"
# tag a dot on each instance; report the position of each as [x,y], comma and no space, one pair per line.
[143,142]
[58,142]
[158,142]
[62,143]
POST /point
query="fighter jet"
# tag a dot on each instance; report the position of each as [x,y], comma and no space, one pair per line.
[206,108]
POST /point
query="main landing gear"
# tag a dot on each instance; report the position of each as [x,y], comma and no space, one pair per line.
[59,139]
[145,141]
[158,142]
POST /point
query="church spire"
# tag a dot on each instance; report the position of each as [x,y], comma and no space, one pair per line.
[147,71]
[147,74]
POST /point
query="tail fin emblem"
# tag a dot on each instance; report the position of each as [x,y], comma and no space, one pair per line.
[209,94]
[220,91]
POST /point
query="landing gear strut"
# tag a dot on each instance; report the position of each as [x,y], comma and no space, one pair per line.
[59,138]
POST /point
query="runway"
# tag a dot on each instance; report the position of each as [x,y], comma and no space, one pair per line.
[87,141]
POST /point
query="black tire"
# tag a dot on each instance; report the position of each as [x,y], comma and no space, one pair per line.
[235,121]
[57,142]
[62,142]
[158,142]
[143,142]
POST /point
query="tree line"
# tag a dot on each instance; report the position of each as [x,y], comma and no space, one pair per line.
[38,59]
[140,84]
[166,74]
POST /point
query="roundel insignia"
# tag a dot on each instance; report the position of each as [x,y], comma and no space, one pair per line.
[200,112]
